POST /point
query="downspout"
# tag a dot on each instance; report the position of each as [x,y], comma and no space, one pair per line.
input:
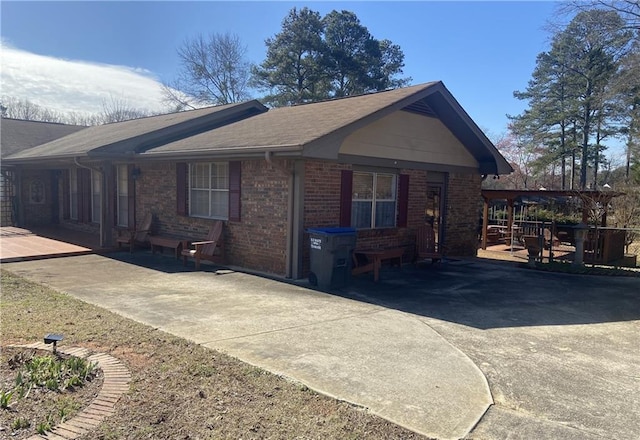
[290,202]
[75,160]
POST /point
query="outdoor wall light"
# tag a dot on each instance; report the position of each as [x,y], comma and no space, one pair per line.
[53,338]
[135,173]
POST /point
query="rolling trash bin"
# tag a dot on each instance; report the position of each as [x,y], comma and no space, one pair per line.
[331,250]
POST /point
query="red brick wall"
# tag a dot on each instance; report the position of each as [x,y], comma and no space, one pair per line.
[322,209]
[464,205]
[258,241]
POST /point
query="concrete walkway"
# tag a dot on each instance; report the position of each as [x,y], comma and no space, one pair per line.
[389,361]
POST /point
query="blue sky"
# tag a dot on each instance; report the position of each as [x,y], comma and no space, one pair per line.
[482,51]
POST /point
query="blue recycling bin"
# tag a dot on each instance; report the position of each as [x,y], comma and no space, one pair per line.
[331,253]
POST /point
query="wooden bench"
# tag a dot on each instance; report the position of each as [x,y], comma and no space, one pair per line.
[374,259]
[159,242]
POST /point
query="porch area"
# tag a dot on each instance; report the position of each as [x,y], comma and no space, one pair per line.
[20,244]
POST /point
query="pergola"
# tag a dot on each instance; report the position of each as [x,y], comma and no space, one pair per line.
[510,196]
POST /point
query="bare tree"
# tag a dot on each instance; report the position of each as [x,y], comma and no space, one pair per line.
[626,212]
[213,70]
[118,110]
[629,10]
[113,110]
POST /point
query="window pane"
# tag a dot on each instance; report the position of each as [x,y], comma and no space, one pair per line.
[361,214]
[219,203]
[219,176]
[200,175]
[385,214]
[362,186]
[385,187]
[123,180]
[199,203]
[209,194]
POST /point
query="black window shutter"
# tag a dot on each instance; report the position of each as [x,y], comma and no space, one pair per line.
[403,200]
[235,186]
[346,185]
[181,188]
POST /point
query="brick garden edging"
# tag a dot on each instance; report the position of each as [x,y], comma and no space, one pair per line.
[115,384]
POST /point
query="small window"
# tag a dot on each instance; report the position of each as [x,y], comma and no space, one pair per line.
[373,200]
[209,190]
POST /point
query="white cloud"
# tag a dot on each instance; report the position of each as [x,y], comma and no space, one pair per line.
[75,86]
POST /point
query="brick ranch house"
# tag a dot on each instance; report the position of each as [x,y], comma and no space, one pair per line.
[378,162]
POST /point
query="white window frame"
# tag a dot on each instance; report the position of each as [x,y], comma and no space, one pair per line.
[210,188]
[123,195]
[73,194]
[374,200]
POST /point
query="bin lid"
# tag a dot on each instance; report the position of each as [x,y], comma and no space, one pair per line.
[332,231]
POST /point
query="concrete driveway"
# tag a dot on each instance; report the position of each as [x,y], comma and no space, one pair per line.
[560,353]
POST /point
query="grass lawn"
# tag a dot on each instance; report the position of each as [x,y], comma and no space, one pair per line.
[180,390]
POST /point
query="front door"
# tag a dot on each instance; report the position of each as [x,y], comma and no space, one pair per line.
[434,210]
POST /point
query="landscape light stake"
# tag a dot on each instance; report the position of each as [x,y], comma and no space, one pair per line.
[53,338]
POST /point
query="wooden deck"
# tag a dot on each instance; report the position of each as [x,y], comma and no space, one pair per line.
[17,244]
[519,254]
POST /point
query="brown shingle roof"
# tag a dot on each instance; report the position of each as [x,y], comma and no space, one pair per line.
[123,137]
[18,135]
[291,127]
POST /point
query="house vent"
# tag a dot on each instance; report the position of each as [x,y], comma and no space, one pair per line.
[422,108]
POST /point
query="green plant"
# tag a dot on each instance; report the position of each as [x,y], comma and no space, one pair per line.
[5,398]
[45,426]
[54,373]
[66,407]
[20,423]
[42,428]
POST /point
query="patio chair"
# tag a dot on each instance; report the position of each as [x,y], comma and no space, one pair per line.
[139,235]
[211,249]
[426,245]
